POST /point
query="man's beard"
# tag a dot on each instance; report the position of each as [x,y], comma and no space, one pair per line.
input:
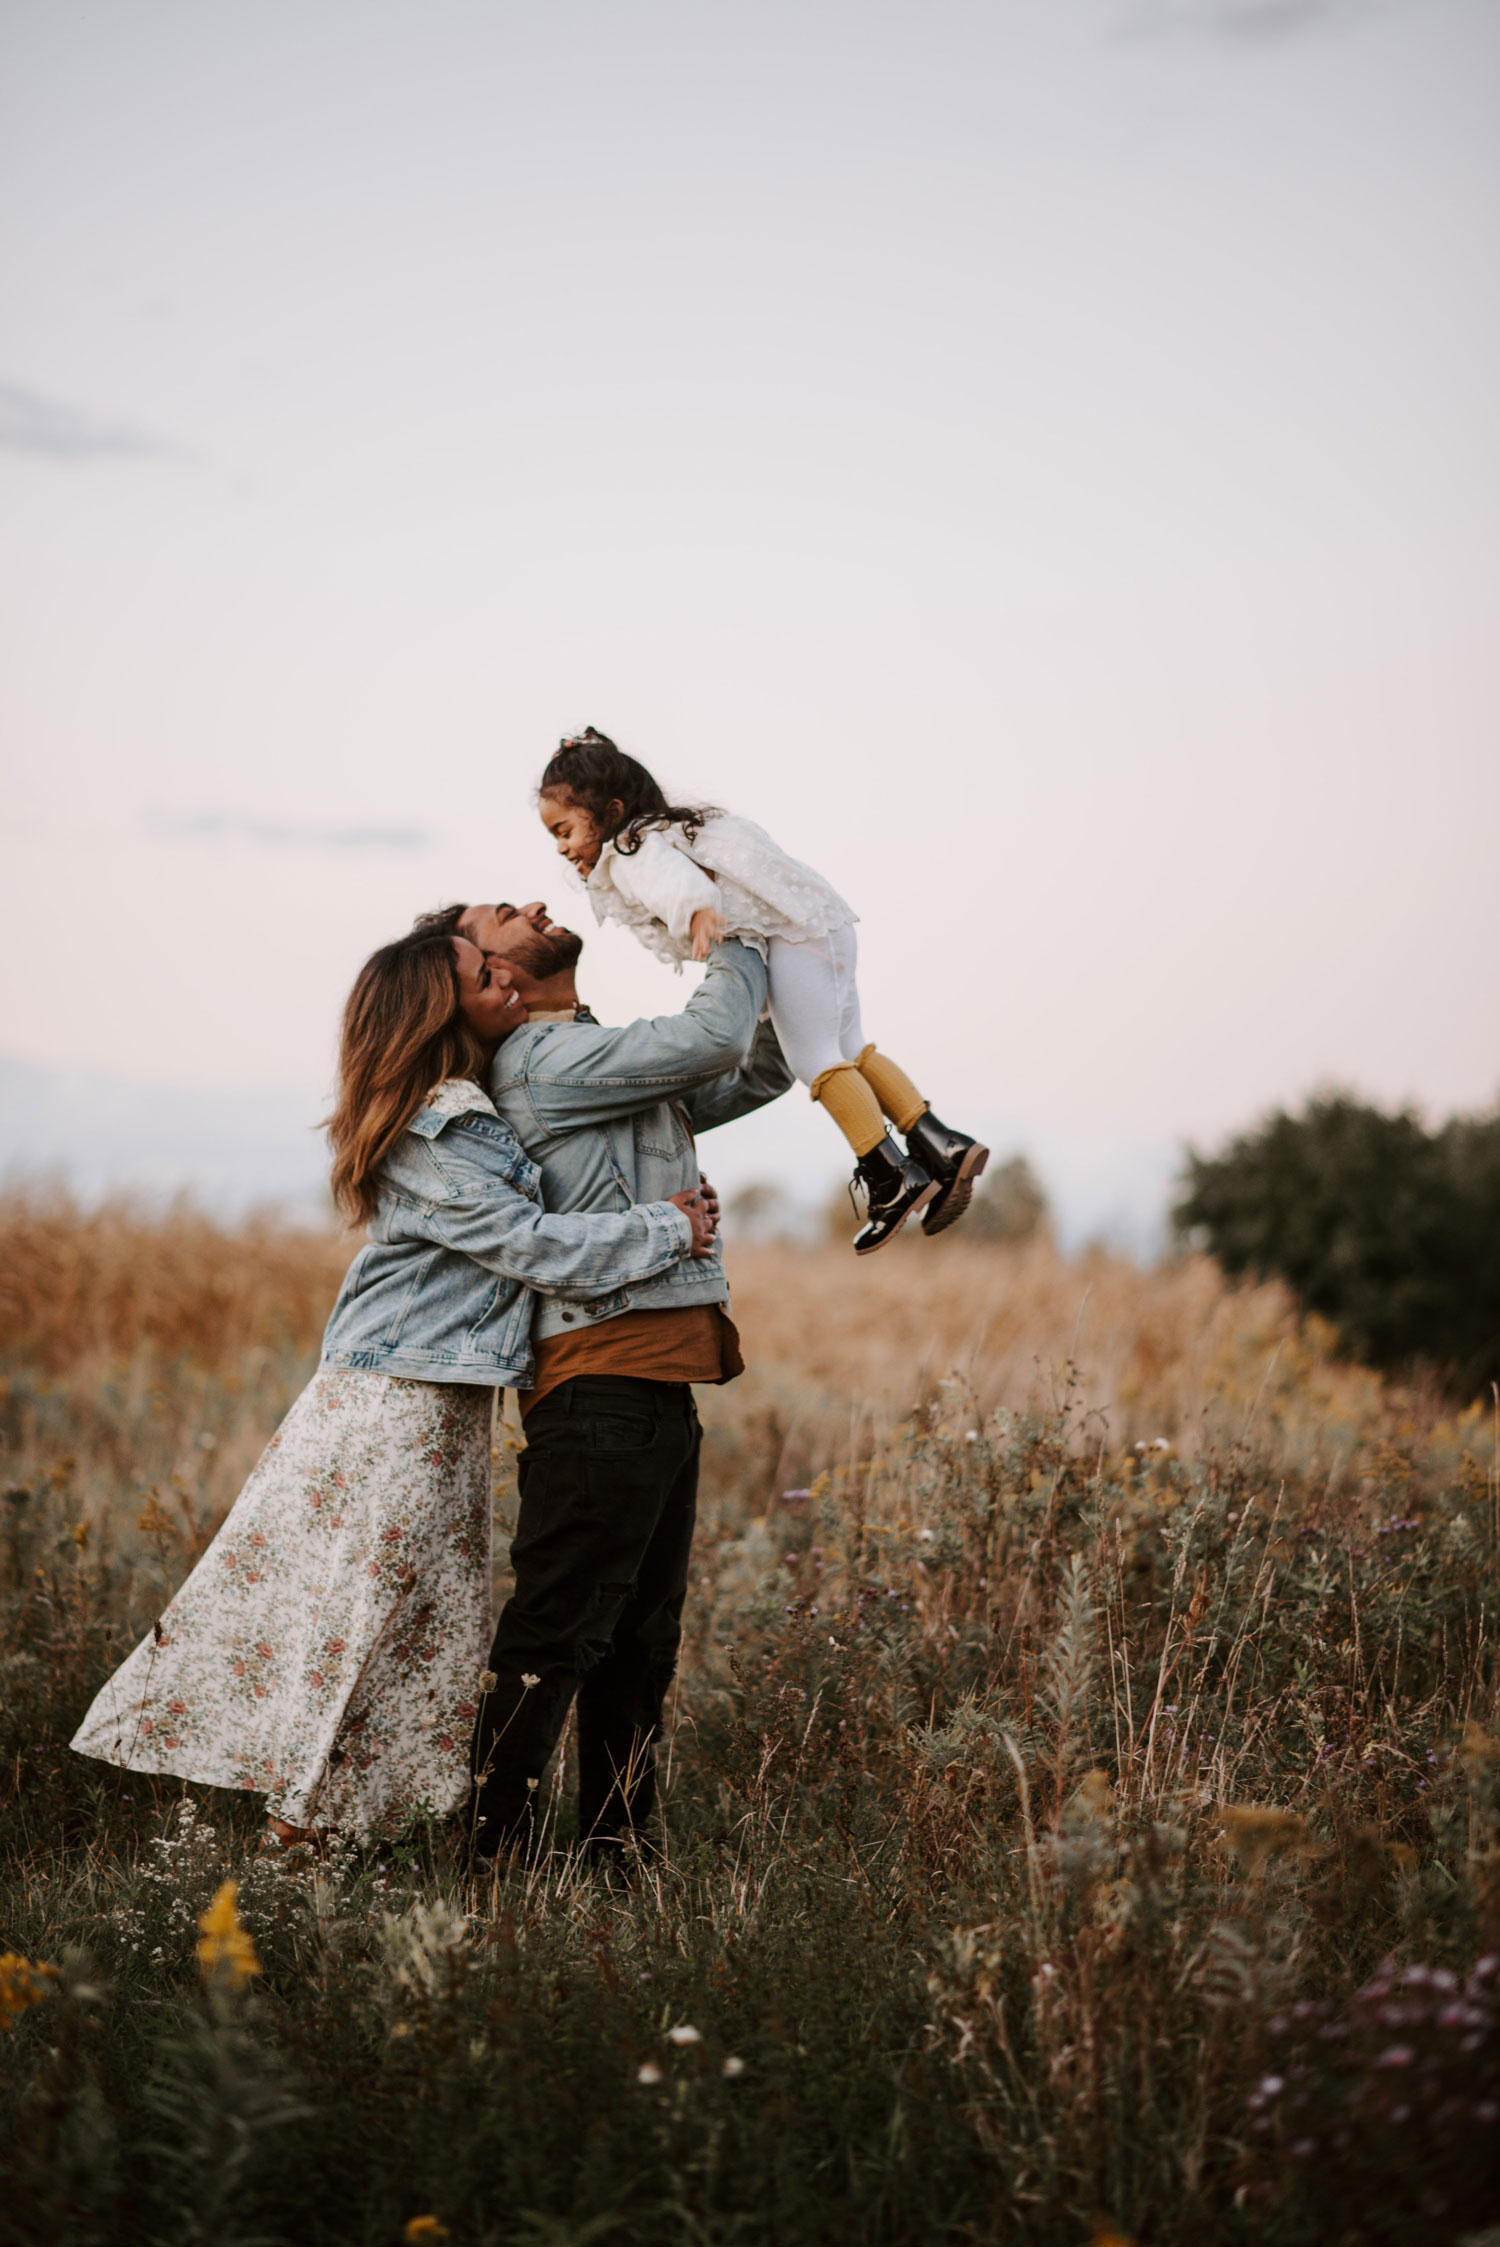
[545,956]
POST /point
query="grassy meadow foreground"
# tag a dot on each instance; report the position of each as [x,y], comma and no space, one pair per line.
[1081,1816]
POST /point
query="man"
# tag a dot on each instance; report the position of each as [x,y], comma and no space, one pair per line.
[609,1475]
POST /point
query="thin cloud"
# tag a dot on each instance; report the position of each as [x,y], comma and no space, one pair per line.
[1244,22]
[32,423]
[280,834]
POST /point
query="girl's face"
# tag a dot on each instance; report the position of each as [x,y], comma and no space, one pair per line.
[576,832]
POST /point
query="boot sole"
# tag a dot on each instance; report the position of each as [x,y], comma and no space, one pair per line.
[959,1194]
[920,1203]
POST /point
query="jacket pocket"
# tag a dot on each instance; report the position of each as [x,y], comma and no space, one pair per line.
[659,1133]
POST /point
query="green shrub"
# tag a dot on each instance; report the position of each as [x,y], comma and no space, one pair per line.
[1388,1229]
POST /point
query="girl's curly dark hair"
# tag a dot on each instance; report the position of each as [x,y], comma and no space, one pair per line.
[589,768]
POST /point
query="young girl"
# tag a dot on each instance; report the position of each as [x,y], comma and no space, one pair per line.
[684,878]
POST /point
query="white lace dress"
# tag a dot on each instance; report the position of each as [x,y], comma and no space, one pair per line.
[326,1651]
[732,865]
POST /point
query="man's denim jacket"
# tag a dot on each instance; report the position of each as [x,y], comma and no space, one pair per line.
[461,1248]
[609,1115]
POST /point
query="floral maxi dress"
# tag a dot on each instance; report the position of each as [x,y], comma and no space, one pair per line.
[327,1649]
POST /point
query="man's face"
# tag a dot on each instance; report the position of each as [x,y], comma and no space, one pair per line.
[522,935]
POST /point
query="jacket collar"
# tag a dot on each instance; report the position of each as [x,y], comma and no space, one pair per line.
[455,1096]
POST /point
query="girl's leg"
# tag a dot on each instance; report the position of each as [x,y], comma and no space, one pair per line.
[950,1158]
[815,1010]
[812,991]
[893,1088]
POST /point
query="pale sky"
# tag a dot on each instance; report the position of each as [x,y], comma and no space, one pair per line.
[1039,457]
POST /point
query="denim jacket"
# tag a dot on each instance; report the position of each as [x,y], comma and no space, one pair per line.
[609,1116]
[460,1249]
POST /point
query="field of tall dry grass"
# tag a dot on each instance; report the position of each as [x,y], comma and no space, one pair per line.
[1081,1818]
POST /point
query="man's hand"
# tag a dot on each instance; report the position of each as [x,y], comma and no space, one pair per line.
[706,928]
[702,1216]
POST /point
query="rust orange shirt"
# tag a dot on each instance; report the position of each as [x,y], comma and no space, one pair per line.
[700,1343]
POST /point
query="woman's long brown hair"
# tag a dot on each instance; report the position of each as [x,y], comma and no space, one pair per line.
[403,1034]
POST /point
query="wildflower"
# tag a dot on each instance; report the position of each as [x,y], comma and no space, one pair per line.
[732,2066]
[226,1954]
[1255,1833]
[683,2035]
[487,1681]
[529,1678]
[1094,1798]
[1476,1749]
[22,1984]
[648,2072]
[425,2227]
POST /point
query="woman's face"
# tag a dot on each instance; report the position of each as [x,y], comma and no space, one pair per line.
[488,1002]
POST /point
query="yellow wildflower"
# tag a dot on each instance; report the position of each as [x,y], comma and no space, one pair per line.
[154,1519]
[425,2227]
[22,1984]
[226,1954]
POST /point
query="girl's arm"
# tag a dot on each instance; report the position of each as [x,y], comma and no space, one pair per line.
[666,881]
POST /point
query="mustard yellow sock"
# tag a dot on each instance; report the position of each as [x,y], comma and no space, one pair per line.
[893,1088]
[852,1105]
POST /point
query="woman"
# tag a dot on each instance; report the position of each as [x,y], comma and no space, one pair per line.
[327,1649]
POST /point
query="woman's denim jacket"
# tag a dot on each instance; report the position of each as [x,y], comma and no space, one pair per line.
[460,1247]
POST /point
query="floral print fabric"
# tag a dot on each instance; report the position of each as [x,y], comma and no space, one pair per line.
[327,1649]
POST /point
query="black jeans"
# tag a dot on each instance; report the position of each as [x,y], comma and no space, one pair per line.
[609,1492]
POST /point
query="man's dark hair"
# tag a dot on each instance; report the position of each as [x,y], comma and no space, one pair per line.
[594,772]
[443,922]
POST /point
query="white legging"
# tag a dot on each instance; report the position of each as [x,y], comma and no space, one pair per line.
[815,1002]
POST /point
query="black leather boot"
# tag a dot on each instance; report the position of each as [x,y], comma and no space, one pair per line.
[954,1161]
[894,1186]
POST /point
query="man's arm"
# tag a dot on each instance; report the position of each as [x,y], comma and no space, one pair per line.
[764,1076]
[570,1074]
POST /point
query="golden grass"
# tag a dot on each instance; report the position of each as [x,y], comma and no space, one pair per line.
[1089,1682]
